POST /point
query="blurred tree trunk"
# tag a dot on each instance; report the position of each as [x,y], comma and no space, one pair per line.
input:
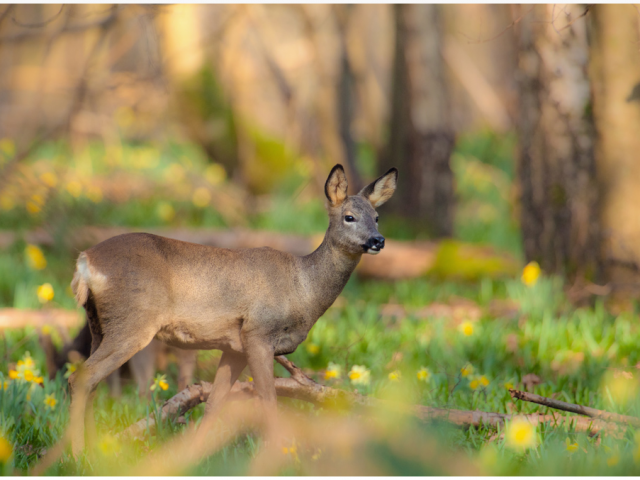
[615,70]
[346,98]
[421,138]
[559,194]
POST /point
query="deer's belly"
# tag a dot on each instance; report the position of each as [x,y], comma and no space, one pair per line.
[221,336]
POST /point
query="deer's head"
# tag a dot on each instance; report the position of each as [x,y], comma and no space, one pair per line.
[353,220]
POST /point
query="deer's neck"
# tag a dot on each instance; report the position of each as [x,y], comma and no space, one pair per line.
[326,271]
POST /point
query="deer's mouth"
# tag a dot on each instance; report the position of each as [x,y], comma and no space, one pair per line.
[371,250]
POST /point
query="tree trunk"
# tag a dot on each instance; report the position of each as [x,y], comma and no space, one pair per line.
[421,138]
[559,195]
[615,72]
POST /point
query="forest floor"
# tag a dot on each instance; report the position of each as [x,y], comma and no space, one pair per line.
[434,341]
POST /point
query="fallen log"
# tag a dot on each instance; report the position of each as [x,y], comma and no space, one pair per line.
[16,318]
[574,408]
[301,387]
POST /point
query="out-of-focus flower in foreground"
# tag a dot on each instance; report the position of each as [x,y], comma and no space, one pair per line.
[45,293]
[6,449]
[520,435]
[424,375]
[466,328]
[109,445]
[571,447]
[359,375]
[466,370]
[71,367]
[531,273]
[332,371]
[35,258]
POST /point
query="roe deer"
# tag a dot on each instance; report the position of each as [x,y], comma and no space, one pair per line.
[253,304]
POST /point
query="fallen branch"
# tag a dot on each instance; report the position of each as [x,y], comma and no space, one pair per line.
[573,408]
[301,387]
[16,318]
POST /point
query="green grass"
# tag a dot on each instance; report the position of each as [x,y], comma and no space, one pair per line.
[543,339]
[574,352]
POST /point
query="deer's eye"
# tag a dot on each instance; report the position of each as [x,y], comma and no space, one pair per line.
[349,219]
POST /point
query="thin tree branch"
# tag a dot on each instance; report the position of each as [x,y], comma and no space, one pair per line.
[38,25]
[573,408]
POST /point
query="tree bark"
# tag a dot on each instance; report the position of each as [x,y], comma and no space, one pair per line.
[615,73]
[559,194]
[421,138]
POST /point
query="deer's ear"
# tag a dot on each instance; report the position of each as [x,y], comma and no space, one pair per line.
[336,187]
[381,190]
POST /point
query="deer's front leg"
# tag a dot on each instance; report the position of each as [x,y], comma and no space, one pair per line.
[260,355]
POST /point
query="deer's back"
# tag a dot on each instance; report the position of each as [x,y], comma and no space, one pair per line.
[171,282]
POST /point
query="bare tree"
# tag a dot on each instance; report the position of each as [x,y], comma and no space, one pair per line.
[421,138]
[559,193]
[615,72]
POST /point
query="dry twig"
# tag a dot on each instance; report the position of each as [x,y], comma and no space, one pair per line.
[573,408]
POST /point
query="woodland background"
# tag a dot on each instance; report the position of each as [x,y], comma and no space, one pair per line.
[515,129]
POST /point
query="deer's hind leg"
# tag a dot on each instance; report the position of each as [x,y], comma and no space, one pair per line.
[112,350]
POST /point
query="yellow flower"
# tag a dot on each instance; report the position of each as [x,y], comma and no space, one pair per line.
[312,348]
[621,388]
[74,188]
[636,451]
[332,371]
[466,328]
[6,449]
[159,382]
[520,435]
[165,211]
[7,147]
[38,380]
[530,274]
[395,375]
[33,207]
[484,381]
[466,370]
[7,203]
[508,385]
[215,174]
[71,367]
[35,257]
[45,293]
[424,374]
[46,330]
[94,193]
[201,197]
[249,379]
[28,375]
[571,447]
[13,374]
[109,445]
[359,375]
[49,179]
[613,460]
[50,401]
[474,384]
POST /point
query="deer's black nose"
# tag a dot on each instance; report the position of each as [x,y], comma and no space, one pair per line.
[377,243]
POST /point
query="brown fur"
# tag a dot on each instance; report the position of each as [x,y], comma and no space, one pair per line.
[252,304]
